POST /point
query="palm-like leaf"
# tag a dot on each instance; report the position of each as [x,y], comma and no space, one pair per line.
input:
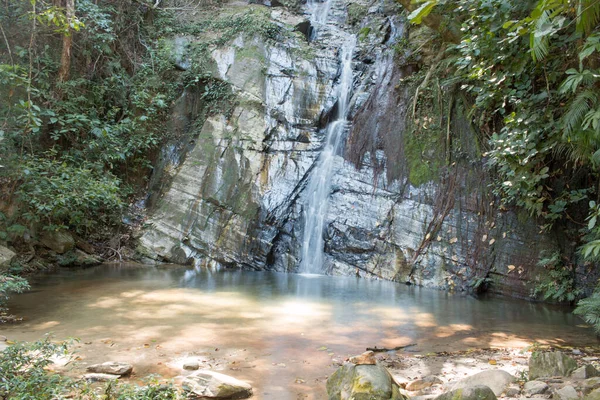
[583,103]
[588,15]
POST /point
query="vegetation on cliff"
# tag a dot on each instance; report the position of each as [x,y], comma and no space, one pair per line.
[527,74]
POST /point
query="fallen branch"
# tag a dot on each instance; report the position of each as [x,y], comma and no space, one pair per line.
[384,349]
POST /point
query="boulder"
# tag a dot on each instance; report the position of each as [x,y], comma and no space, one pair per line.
[477,392]
[585,372]
[97,377]
[497,380]
[566,393]
[550,364]
[111,367]
[363,382]
[423,383]
[58,241]
[534,387]
[213,385]
[589,385]
[6,257]
[366,358]
[513,390]
[78,258]
[593,395]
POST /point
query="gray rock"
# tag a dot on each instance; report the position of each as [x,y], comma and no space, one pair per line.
[497,380]
[6,256]
[362,382]
[535,387]
[213,385]
[478,392]
[191,366]
[566,393]
[58,241]
[550,364]
[97,377]
[512,391]
[587,371]
[111,367]
[423,383]
[589,384]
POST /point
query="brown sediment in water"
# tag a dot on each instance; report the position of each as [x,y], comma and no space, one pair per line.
[284,334]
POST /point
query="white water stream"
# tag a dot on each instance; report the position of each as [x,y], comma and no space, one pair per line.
[319,185]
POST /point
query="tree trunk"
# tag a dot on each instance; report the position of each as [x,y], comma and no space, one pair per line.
[65,58]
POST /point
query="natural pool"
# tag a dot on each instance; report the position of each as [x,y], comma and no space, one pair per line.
[282,333]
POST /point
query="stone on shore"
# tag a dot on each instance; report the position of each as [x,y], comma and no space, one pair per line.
[213,385]
[98,377]
[593,395]
[423,383]
[589,384]
[550,364]
[532,388]
[566,393]
[191,365]
[587,371]
[363,382]
[477,392]
[111,367]
[497,380]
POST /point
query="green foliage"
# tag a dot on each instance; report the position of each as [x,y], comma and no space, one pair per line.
[10,284]
[589,309]
[530,74]
[557,283]
[24,375]
[356,13]
[71,151]
[416,17]
[60,195]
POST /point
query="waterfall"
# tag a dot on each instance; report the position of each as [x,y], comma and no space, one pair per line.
[319,185]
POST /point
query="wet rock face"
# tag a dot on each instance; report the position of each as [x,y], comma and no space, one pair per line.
[238,187]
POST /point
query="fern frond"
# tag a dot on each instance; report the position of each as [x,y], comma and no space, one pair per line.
[538,41]
[579,107]
[589,309]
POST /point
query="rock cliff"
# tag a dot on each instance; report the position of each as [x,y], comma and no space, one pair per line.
[238,184]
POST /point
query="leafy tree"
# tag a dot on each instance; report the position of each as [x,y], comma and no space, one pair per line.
[530,71]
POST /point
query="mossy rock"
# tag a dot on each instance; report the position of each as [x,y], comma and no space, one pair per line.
[543,364]
[363,382]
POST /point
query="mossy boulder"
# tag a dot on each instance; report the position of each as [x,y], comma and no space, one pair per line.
[6,256]
[550,364]
[478,392]
[594,395]
[58,241]
[363,382]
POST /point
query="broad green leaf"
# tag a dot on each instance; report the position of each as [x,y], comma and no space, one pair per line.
[416,17]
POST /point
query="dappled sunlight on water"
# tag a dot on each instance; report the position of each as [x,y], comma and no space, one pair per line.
[282,333]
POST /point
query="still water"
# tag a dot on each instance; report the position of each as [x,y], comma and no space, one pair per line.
[282,333]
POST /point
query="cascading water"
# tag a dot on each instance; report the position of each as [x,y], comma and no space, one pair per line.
[319,185]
